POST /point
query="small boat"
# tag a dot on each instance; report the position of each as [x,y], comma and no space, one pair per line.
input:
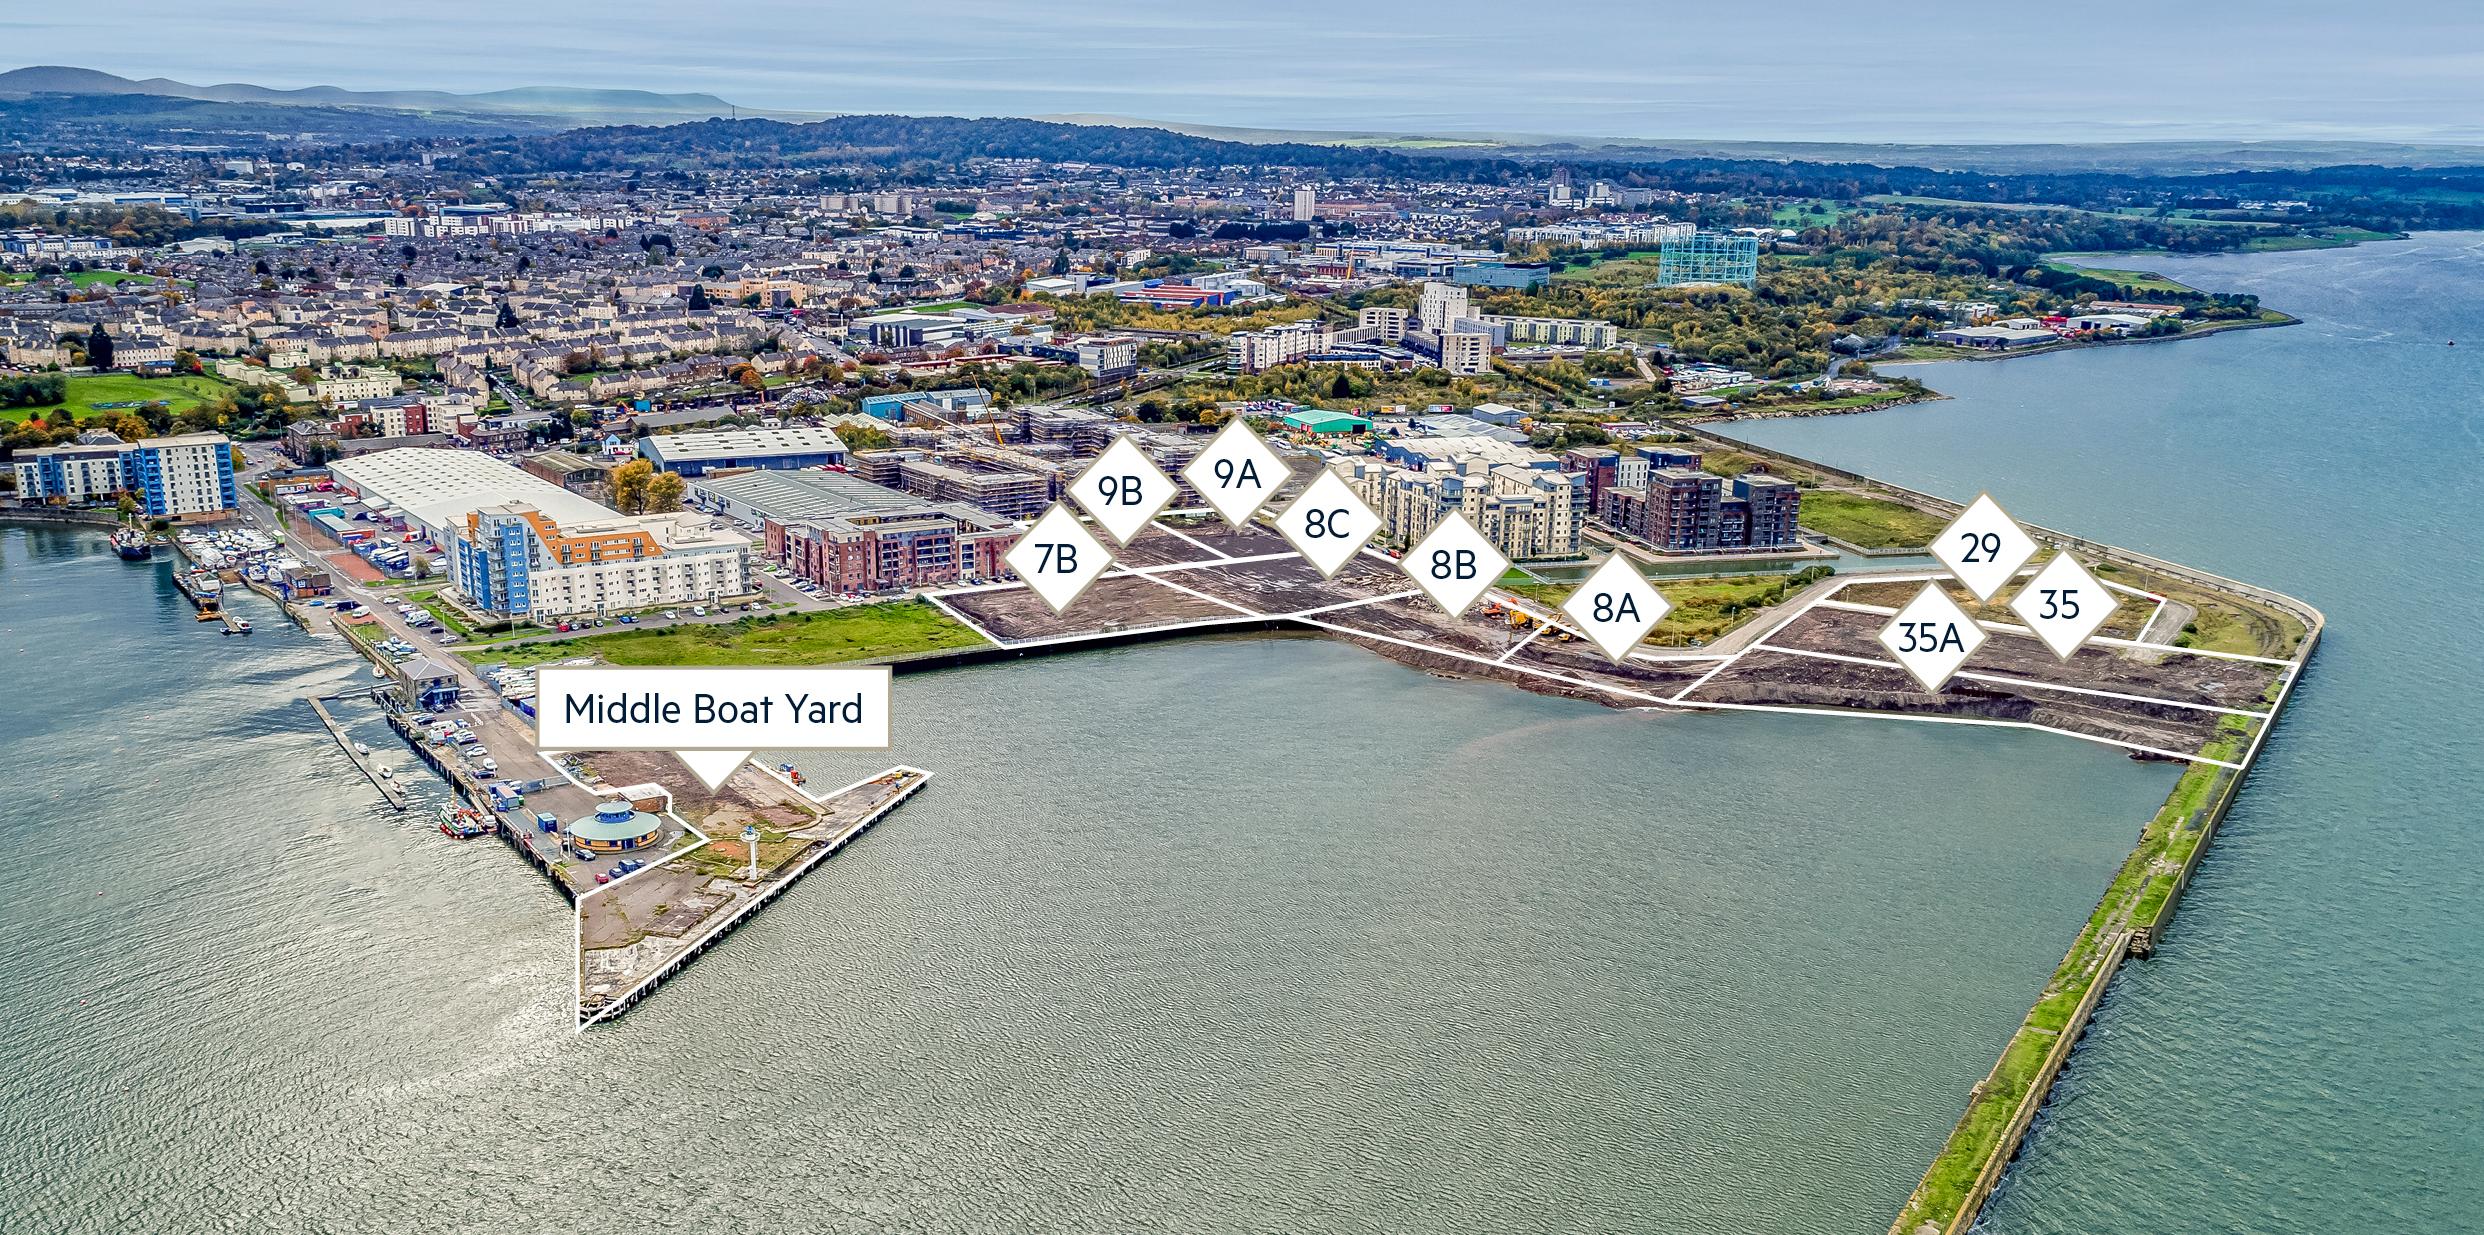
[241,626]
[132,545]
[379,671]
[464,823]
[361,749]
[385,774]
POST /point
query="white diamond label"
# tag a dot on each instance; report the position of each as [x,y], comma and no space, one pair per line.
[1616,607]
[1984,547]
[1328,524]
[1237,473]
[1058,557]
[1123,489]
[2063,605]
[1454,564]
[1932,636]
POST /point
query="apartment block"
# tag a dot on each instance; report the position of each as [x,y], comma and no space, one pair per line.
[187,476]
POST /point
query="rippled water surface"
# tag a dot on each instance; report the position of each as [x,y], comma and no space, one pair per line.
[2302,1055]
[1228,935]
[1269,934]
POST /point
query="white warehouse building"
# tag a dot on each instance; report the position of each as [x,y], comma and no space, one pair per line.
[521,546]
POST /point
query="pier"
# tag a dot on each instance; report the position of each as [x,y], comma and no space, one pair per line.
[388,787]
[701,896]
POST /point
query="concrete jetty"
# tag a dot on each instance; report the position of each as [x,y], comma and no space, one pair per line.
[388,787]
[690,901]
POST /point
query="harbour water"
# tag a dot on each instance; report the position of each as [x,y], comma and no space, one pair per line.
[1249,934]
[1236,934]
[2299,1057]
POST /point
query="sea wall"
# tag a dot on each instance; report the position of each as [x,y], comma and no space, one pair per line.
[40,514]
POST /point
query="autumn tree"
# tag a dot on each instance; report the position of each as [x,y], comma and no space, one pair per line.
[632,484]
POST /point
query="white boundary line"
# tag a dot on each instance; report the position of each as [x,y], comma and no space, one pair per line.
[1408,594]
[1964,720]
[1098,636]
[2012,628]
[1167,527]
[1521,645]
[690,943]
[1606,687]
[2180,651]
[2004,680]
[962,619]
[1681,698]
[1212,564]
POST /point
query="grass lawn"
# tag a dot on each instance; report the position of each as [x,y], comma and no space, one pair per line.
[429,600]
[1870,522]
[178,393]
[1703,609]
[86,278]
[1633,269]
[864,632]
[1799,215]
[2130,280]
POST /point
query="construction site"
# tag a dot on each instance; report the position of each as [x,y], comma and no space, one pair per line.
[1816,649]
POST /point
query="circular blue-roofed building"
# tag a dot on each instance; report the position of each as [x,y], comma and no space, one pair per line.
[614,827]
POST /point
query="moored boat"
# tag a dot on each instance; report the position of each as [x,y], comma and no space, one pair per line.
[464,823]
[132,545]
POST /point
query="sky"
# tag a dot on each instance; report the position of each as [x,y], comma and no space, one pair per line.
[1790,70]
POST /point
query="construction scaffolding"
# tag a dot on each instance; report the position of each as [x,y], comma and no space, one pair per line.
[1708,257]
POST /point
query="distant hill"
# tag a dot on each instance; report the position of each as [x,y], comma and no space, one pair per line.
[544,106]
[2130,158]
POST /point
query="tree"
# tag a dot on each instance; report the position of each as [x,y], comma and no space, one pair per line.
[98,347]
[664,492]
[631,483]
[698,297]
[128,506]
[508,318]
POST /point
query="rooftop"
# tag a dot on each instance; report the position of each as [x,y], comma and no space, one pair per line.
[738,443]
[438,487]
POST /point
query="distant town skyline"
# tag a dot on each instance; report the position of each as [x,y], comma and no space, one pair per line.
[1799,71]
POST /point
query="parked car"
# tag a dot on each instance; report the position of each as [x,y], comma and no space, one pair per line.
[629,619]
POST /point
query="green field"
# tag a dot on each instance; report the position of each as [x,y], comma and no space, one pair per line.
[1632,269]
[178,393]
[2130,280]
[865,632]
[2175,220]
[1799,215]
[1869,522]
[85,278]
[2334,238]
[1702,609]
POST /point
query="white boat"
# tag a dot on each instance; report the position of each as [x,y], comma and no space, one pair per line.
[361,749]
[385,774]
